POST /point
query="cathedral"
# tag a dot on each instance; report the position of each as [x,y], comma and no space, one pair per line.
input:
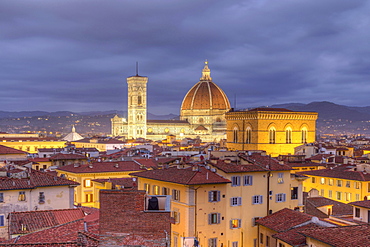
[202,113]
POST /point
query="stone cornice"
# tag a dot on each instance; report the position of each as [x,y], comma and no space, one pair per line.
[245,115]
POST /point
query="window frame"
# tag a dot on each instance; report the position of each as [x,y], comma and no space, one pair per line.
[214,218]
[2,220]
[235,181]
[237,225]
[175,195]
[1,197]
[235,201]
[22,196]
[41,197]
[214,196]
[257,199]
[280,197]
[247,180]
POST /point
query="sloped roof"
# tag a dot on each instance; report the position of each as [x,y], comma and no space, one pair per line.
[186,176]
[363,204]
[293,237]
[61,156]
[116,166]
[8,150]
[284,219]
[340,172]
[30,221]
[338,208]
[349,236]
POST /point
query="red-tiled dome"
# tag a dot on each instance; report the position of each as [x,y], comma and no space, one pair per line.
[205,95]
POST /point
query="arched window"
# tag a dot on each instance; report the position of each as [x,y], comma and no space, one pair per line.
[235,135]
[201,120]
[248,133]
[288,135]
[304,135]
[272,135]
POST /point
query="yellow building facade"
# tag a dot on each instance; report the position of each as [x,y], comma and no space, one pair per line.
[274,130]
[32,144]
[220,213]
[87,193]
[344,184]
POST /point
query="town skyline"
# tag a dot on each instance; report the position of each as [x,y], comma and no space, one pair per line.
[73,56]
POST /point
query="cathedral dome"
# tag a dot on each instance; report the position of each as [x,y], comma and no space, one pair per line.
[205,95]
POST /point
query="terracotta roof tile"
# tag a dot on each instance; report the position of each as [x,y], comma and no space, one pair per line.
[349,236]
[24,222]
[284,219]
[363,204]
[293,237]
[117,166]
[185,176]
[342,171]
[338,208]
[9,150]
[61,156]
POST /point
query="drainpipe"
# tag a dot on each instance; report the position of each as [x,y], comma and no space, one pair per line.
[268,192]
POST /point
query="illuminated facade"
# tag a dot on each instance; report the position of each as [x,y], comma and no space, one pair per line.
[202,113]
[275,130]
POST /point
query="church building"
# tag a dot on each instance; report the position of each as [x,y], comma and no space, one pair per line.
[202,113]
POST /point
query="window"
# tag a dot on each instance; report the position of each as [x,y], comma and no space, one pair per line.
[2,220]
[288,135]
[147,188]
[165,191]
[176,195]
[22,196]
[357,185]
[235,135]
[139,100]
[280,178]
[87,183]
[267,241]
[294,193]
[89,197]
[339,183]
[41,197]
[280,197]
[304,135]
[322,180]
[281,245]
[357,212]
[248,180]
[235,244]
[272,135]
[236,201]
[176,216]
[322,192]
[257,199]
[348,184]
[1,197]
[339,195]
[261,238]
[235,181]
[331,181]
[248,134]
[214,196]
[214,218]
[254,220]
[212,242]
[368,187]
[156,189]
[313,180]
[357,197]
[330,194]
[348,196]
[235,223]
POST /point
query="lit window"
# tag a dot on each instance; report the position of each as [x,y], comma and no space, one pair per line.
[304,135]
[236,201]
[357,185]
[87,183]
[248,180]
[176,195]
[147,188]
[322,192]
[156,190]
[257,199]
[235,181]
[214,218]
[235,223]
[280,197]
[357,197]
[176,216]
[330,194]
[331,181]
[348,196]
[339,195]
[41,197]
[280,178]
[322,180]
[294,193]
[22,196]
[214,196]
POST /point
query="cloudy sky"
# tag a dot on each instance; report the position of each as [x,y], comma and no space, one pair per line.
[76,55]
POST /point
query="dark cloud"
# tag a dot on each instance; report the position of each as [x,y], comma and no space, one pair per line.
[76,55]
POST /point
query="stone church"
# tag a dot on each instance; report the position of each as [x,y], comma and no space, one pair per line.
[202,113]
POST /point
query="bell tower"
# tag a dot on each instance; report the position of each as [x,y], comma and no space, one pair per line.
[137,106]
